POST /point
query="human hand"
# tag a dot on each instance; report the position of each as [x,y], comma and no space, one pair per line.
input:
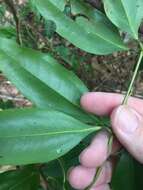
[127,124]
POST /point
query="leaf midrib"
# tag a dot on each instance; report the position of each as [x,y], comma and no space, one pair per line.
[12,57]
[106,40]
[76,105]
[110,42]
[129,22]
[91,129]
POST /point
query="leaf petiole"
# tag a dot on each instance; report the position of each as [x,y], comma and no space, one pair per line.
[133,79]
[63,171]
[98,172]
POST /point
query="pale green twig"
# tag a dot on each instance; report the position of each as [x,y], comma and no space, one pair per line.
[110,142]
[98,172]
[133,79]
[64,173]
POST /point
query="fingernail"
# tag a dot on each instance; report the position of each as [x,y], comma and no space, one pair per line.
[126,119]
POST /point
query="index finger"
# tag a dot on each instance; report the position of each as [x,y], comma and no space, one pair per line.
[101,103]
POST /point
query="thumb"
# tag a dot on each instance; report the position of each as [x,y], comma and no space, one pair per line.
[127,125]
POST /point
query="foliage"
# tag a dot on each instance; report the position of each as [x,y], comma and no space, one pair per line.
[25,178]
[52,132]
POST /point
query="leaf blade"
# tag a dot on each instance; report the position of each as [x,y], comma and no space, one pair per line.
[35,135]
[40,94]
[24,179]
[70,30]
[47,69]
[124,173]
[125,15]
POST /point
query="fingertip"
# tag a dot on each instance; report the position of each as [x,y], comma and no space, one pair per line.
[81,177]
[92,102]
[90,158]
[86,101]
[125,120]
[127,125]
[100,103]
[93,157]
[95,154]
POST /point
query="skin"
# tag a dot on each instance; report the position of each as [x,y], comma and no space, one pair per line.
[127,125]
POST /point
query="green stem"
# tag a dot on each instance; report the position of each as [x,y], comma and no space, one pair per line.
[64,173]
[133,79]
[110,144]
[99,169]
[98,172]
[124,102]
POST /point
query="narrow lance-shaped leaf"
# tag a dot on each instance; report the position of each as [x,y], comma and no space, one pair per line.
[35,135]
[46,69]
[138,168]
[37,91]
[125,14]
[96,41]
[97,22]
[22,179]
[124,175]
[128,174]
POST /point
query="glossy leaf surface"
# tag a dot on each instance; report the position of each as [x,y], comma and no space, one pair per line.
[128,174]
[35,135]
[40,80]
[47,69]
[125,14]
[23,179]
[123,177]
[97,40]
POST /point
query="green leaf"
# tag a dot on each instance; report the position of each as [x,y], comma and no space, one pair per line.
[8,32]
[138,174]
[23,179]
[125,14]
[70,56]
[66,54]
[2,10]
[47,69]
[98,39]
[41,79]
[49,28]
[123,177]
[128,174]
[35,135]
[54,172]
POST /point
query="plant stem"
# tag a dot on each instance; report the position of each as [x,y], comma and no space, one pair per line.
[64,173]
[98,172]
[124,102]
[133,79]
[110,144]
